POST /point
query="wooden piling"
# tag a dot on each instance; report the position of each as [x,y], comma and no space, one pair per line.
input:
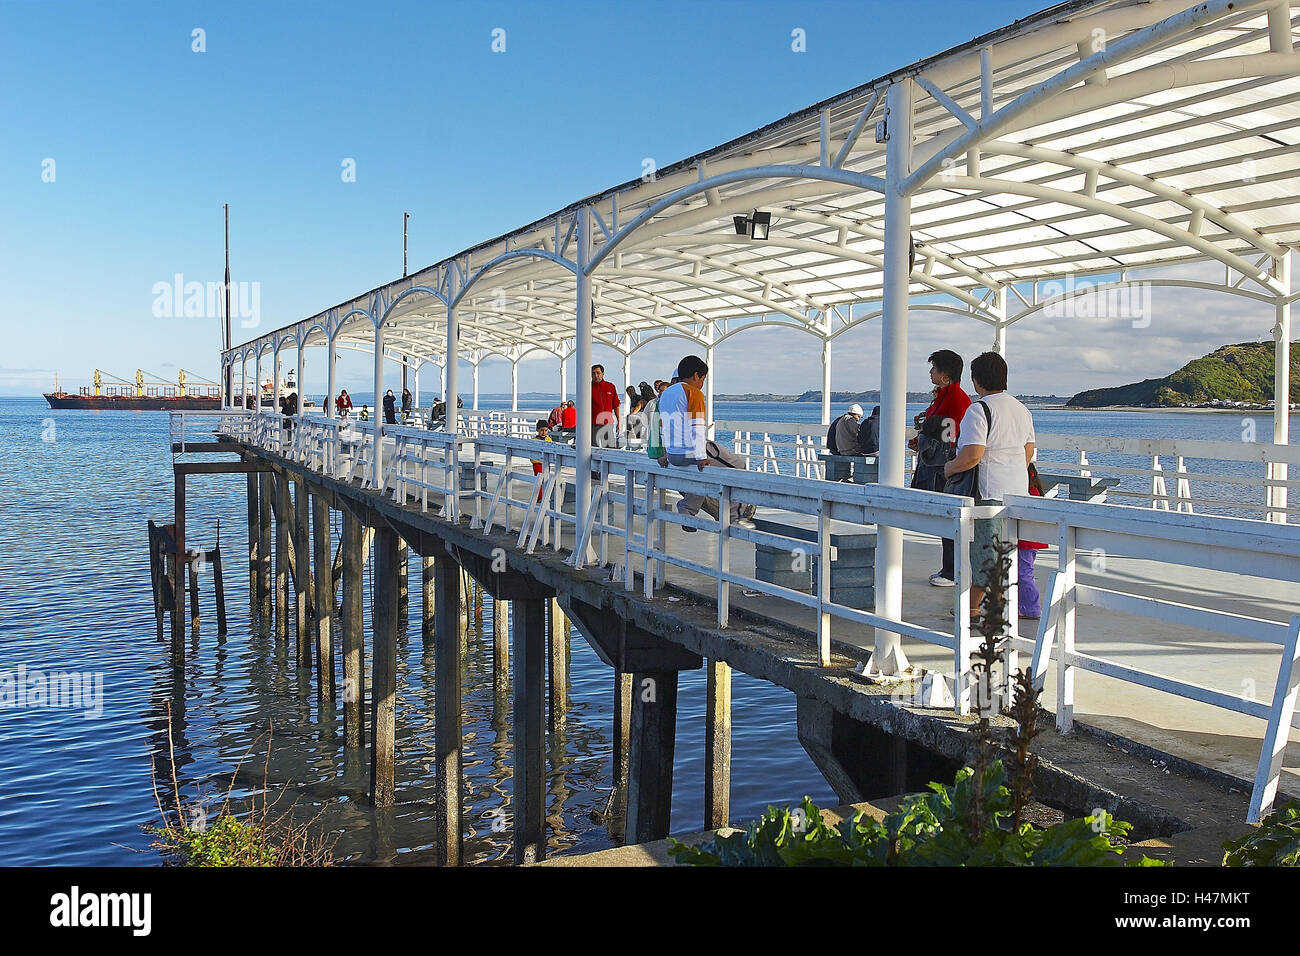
[717,745]
[178,568]
[281,558]
[192,569]
[302,573]
[324,554]
[558,644]
[428,600]
[530,733]
[448,731]
[383,713]
[265,484]
[403,587]
[622,727]
[653,738]
[253,560]
[218,589]
[500,642]
[354,662]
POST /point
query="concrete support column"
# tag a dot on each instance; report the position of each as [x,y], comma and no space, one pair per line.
[650,758]
[622,727]
[324,554]
[717,745]
[887,657]
[383,712]
[448,661]
[302,579]
[354,660]
[530,730]
[1281,381]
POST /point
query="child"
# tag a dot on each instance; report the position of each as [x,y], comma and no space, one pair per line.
[1027,587]
[543,434]
[365,413]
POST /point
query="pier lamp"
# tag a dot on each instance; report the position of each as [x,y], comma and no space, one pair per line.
[756,225]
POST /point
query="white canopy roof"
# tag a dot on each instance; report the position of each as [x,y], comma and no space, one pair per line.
[1092,138]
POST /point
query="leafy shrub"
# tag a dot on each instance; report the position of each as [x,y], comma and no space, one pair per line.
[1275,842]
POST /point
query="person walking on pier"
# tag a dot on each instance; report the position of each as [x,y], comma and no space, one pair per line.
[605,417]
[343,404]
[997,434]
[390,407]
[684,430]
[407,404]
[938,428]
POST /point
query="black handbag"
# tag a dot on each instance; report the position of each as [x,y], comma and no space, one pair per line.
[965,484]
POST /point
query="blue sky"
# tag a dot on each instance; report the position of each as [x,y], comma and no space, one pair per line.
[148,138]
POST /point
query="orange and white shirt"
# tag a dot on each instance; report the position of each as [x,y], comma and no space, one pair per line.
[683,426]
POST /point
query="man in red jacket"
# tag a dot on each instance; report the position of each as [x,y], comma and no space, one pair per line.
[604,410]
[942,420]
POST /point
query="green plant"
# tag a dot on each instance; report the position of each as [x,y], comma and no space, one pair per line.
[1275,842]
[262,838]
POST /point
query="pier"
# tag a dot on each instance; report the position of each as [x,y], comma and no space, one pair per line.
[1170,618]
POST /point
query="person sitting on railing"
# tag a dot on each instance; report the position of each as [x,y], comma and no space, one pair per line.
[842,436]
[685,435]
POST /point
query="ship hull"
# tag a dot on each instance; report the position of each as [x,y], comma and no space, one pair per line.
[133,403]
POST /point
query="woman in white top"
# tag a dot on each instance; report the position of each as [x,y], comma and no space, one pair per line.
[1001,443]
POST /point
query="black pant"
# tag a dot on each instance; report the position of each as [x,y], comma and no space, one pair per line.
[948,548]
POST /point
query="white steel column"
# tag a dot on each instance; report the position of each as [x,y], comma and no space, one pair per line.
[1281,383]
[331,358]
[514,385]
[564,381]
[377,418]
[887,657]
[243,381]
[1000,330]
[275,378]
[475,376]
[442,378]
[450,375]
[826,381]
[583,305]
[627,383]
[257,380]
[415,398]
[708,388]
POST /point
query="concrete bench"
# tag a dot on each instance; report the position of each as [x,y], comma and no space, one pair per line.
[853,559]
[858,469]
[1081,487]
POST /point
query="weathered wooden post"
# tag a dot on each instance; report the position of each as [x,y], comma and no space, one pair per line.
[558,642]
[218,588]
[448,732]
[529,622]
[192,568]
[254,596]
[354,662]
[500,642]
[428,598]
[178,567]
[650,757]
[302,567]
[281,558]
[403,587]
[383,714]
[324,602]
[717,745]
[265,485]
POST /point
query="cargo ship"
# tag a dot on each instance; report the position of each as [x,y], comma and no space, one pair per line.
[144,395]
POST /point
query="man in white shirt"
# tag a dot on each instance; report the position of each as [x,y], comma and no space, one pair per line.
[1001,443]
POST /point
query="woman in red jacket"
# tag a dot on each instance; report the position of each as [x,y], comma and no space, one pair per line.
[942,420]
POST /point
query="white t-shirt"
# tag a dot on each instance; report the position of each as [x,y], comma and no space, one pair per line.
[1002,469]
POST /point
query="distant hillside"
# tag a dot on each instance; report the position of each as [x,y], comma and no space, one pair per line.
[1233,373]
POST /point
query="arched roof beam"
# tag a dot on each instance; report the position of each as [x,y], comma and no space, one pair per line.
[511,256]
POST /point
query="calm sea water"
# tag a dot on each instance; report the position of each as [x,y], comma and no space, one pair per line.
[76,784]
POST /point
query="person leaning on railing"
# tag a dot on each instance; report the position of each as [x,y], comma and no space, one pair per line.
[997,436]
[684,431]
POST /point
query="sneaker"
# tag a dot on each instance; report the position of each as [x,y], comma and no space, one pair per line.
[939,581]
[744,523]
[747,512]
